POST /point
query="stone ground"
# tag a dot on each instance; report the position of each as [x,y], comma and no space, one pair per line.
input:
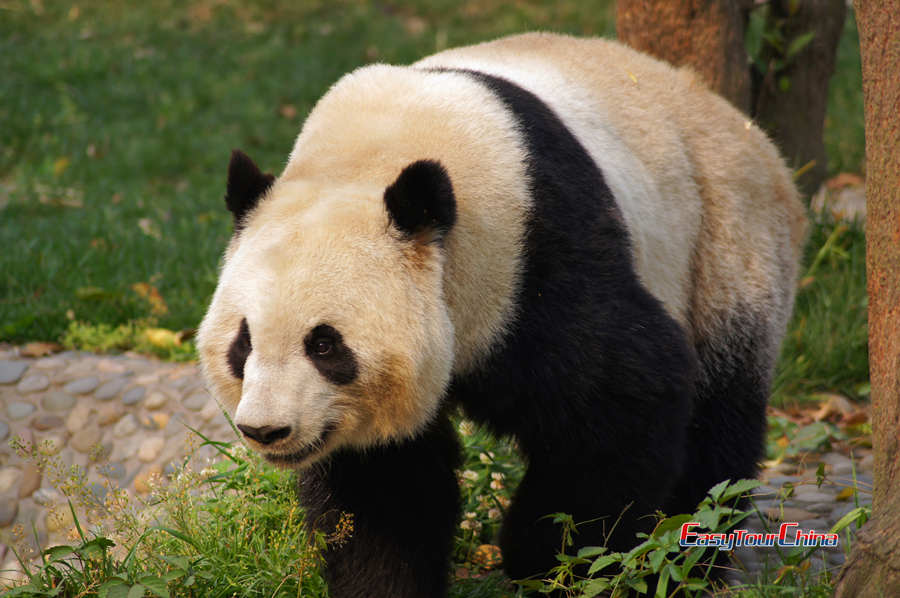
[124,418]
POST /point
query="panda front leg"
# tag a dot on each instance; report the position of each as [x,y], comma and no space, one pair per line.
[404,501]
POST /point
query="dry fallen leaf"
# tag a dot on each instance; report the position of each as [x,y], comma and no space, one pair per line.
[149,292]
[39,349]
[487,556]
[161,337]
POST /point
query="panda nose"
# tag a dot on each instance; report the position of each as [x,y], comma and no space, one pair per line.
[264,434]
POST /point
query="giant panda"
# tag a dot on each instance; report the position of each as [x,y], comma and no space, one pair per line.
[581,247]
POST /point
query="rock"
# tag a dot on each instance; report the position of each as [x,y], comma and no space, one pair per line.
[18,410]
[866,463]
[160,420]
[196,401]
[114,470]
[110,413]
[98,492]
[210,411]
[51,445]
[46,497]
[818,524]
[111,366]
[110,389]
[142,480]
[150,448]
[83,440]
[810,494]
[82,385]
[58,401]
[155,400]
[127,426]
[49,363]
[133,395]
[779,481]
[79,416]
[46,422]
[776,514]
[147,379]
[60,519]
[821,507]
[125,449]
[9,476]
[30,480]
[11,371]
[33,383]
[9,508]
[4,430]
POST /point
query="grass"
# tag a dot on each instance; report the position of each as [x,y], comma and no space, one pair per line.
[233,527]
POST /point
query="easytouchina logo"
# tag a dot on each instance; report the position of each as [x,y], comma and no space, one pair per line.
[789,535]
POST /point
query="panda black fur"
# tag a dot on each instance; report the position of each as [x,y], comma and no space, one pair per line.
[579,245]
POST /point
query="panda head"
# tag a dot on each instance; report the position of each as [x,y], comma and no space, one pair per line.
[328,327]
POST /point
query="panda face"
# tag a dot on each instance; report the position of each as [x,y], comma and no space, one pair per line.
[328,327]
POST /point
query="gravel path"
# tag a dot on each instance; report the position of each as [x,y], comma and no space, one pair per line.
[130,411]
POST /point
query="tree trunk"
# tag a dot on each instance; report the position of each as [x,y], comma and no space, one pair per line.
[873,568]
[707,35]
[795,116]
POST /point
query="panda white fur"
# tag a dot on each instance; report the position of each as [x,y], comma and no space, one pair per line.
[581,246]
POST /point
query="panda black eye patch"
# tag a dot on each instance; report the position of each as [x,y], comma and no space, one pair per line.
[239,350]
[326,349]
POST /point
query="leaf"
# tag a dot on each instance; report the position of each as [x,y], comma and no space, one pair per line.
[738,488]
[716,491]
[113,589]
[92,294]
[55,553]
[40,349]
[671,523]
[594,587]
[161,337]
[846,493]
[798,43]
[602,562]
[847,519]
[136,591]
[591,551]
[155,585]
[150,293]
[60,165]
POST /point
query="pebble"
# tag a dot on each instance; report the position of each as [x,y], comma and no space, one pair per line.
[155,400]
[8,478]
[110,389]
[9,508]
[11,371]
[210,411]
[46,496]
[79,417]
[788,514]
[110,413]
[51,445]
[150,448]
[142,480]
[46,422]
[114,470]
[59,519]
[17,410]
[801,494]
[819,525]
[160,420]
[98,492]
[82,385]
[33,383]
[126,426]
[83,440]
[4,430]
[58,401]
[133,395]
[30,481]
[49,363]
[111,366]
[196,401]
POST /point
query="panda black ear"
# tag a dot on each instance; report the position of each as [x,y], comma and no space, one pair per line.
[421,201]
[246,185]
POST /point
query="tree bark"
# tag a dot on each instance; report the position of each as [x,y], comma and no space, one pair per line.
[707,35]
[873,568]
[795,116]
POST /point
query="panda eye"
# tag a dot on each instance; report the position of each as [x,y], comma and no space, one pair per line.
[323,346]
